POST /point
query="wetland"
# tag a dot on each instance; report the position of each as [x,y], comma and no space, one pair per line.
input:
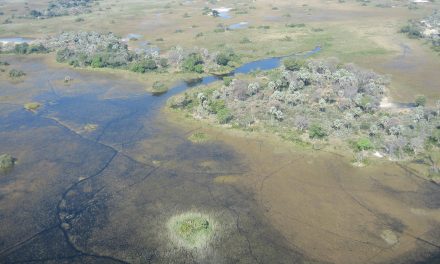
[121,159]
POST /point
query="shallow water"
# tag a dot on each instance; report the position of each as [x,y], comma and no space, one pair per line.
[15,40]
[105,195]
[238,25]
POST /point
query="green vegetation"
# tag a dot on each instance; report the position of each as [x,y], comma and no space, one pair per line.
[427,28]
[144,66]
[364,144]
[191,230]
[7,162]
[317,132]
[198,137]
[13,73]
[323,99]
[420,100]
[193,63]
[412,31]
[33,106]
[159,88]
[63,8]
[293,64]
[224,58]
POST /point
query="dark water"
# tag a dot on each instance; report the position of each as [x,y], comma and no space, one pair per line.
[105,195]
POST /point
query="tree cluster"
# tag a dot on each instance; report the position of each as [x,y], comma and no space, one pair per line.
[63,8]
[318,100]
[428,28]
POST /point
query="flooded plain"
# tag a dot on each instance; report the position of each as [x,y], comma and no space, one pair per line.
[101,170]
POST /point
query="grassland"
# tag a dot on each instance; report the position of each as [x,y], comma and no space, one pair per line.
[366,35]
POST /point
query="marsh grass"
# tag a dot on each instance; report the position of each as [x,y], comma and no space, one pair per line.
[33,106]
[198,137]
[90,127]
[191,230]
[7,162]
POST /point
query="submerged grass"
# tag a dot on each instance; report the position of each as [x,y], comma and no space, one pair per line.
[198,137]
[191,230]
[32,106]
[7,162]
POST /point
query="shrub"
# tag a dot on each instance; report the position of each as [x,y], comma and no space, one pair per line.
[16,73]
[227,81]
[21,48]
[293,64]
[193,63]
[6,162]
[144,66]
[159,88]
[97,62]
[420,100]
[225,57]
[316,131]
[224,116]
[163,62]
[364,144]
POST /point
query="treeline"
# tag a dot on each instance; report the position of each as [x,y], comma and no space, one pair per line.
[92,49]
[428,28]
[63,8]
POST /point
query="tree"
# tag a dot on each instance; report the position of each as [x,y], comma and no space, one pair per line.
[224,58]
[420,100]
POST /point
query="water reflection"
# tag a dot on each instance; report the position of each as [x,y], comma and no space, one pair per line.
[105,195]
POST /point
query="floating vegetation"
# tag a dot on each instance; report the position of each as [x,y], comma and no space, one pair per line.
[191,230]
[390,237]
[33,106]
[226,179]
[16,73]
[90,127]
[198,137]
[7,162]
[159,88]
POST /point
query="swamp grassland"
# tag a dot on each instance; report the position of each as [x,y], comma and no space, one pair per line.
[366,35]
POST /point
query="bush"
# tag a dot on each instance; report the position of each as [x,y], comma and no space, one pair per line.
[316,131]
[21,48]
[193,63]
[97,62]
[224,116]
[16,73]
[25,48]
[225,57]
[144,66]
[412,31]
[364,144]
[159,88]
[163,62]
[6,162]
[293,64]
[227,81]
